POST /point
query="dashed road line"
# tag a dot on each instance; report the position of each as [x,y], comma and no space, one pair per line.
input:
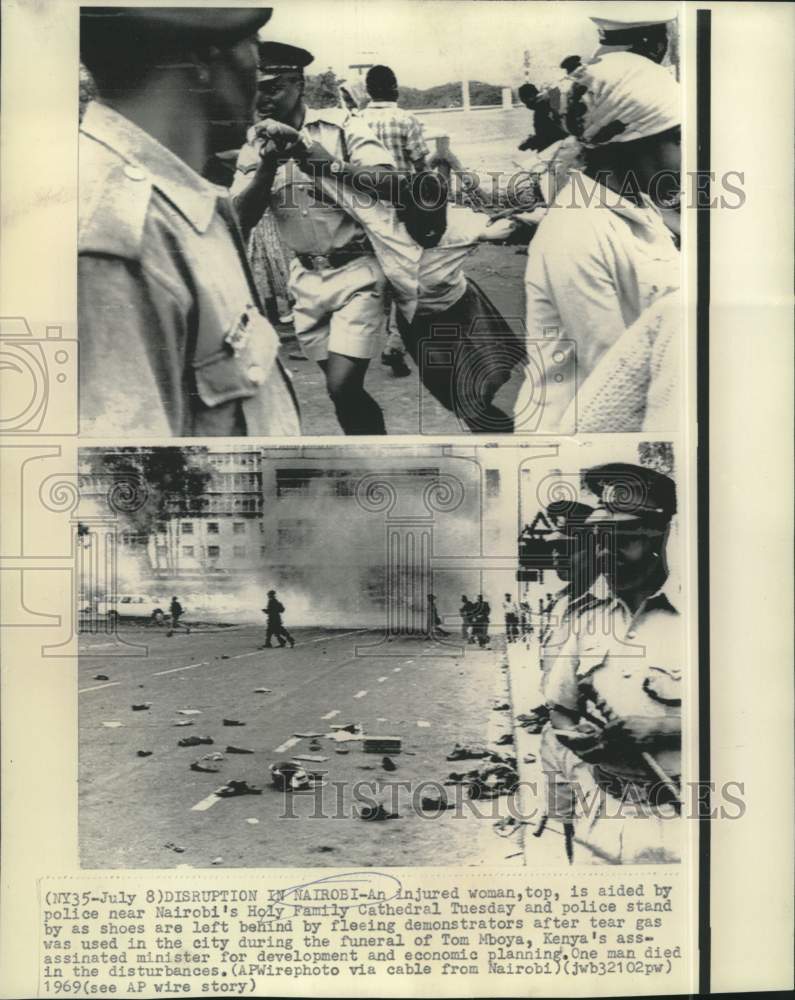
[360,694]
[206,803]
[174,670]
[283,747]
[98,687]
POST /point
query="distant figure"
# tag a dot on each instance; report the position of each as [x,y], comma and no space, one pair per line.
[466,618]
[481,617]
[545,130]
[434,621]
[401,133]
[274,611]
[176,611]
[570,63]
[511,612]
[397,129]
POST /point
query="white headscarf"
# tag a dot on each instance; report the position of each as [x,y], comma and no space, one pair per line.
[619,97]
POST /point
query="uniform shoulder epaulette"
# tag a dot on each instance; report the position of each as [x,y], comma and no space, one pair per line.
[331,116]
[114,201]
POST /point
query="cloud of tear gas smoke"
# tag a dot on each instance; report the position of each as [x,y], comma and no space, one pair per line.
[335,565]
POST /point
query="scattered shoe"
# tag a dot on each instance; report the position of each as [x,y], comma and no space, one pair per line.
[505,740]
[238,750]
[435,803]
[388,764]
[200,765]
[195,741]
[233,722]
[235,787]
[144,753]
[464,752]
[376,812]
[101,677]
[143,707]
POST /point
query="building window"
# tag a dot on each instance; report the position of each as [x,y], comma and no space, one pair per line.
[293,532]
[295,482]
[212,527]
[213,551]
[239,527]
[239,551]
[187,527]
[187,550]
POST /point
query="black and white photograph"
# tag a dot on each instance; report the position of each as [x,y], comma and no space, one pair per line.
[300,657]
[437,218]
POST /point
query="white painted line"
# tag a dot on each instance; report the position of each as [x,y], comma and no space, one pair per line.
[324,638]
[381,680]
[331,714]
[174,670]
[360,694]
[206,803]
[98,687]
[287,744]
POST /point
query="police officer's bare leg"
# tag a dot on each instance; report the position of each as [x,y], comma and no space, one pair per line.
[357,411]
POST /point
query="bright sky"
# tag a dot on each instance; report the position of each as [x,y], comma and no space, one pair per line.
[428,42]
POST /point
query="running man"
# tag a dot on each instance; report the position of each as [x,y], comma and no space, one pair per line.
[274,611]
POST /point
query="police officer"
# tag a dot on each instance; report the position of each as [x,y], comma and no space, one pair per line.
[572,560]
[615,691]
[172,337]
[335,279]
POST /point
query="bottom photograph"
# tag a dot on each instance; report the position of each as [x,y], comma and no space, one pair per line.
[419,655]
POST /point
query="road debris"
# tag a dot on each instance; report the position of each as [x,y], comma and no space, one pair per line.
[143,707]
[232,749]
[144,753]
[463,751]
[188,711]
[101,677]
[376,812]
[388,764]
[237,787]
[195,741]
[233,722]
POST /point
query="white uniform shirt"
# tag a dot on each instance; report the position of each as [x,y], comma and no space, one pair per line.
[597,261]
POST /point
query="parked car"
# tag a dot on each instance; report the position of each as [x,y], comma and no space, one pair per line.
[130,606]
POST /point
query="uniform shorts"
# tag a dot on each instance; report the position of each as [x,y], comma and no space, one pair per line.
[339,310]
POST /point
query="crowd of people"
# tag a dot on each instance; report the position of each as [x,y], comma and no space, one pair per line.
[338,226]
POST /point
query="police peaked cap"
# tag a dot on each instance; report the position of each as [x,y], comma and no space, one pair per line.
[276,58]
[172,26]
[566,515]
[630,493]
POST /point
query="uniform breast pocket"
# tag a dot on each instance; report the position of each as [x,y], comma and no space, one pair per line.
[243,363]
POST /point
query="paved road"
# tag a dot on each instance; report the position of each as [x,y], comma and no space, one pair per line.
[132,807]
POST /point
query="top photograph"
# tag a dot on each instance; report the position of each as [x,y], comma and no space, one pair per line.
[395,218]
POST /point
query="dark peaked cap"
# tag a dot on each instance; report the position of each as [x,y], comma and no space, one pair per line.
[566,515]
[630,493]
[174,25]
[276,58]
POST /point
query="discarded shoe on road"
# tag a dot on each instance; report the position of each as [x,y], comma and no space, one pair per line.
[467,752]
[236,787]
[195,741]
